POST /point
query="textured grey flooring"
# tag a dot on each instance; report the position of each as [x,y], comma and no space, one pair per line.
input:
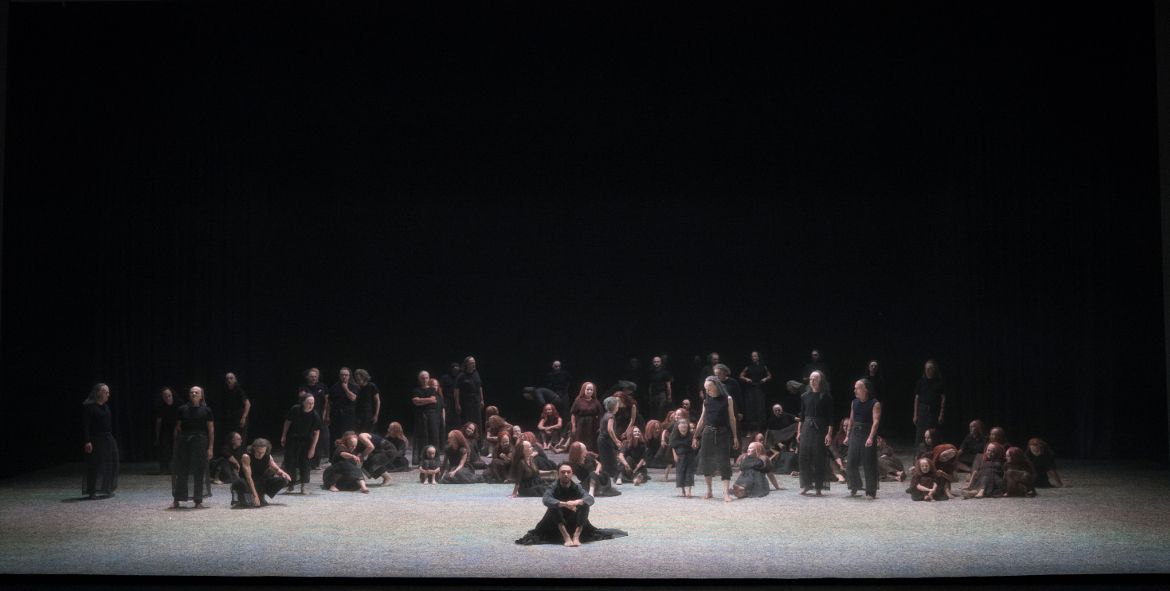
[1112,519]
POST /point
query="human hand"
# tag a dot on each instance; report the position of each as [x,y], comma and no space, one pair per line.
[209,454]
[869,442]
[735,443]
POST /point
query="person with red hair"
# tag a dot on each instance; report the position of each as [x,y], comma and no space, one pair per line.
[585,415]
[550,426]
[988,479]
[456,467]
[1019,474]
[925,485]
[1044,461]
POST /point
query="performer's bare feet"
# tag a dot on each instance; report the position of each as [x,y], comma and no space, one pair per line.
[198,505]
[804,491]
[364,490]
[385,478]
[708,495]
[333,489]
[175,505]
[819,494]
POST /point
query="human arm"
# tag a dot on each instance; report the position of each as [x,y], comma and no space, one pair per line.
[609,427]
[244,415]
[767,375]
[696,433]
[732,421]
[210,439]
[877,418]
[915,406]
[246,472]
[313,443]
[670,390]
[942,404]
[743,377]
[284,433]
[377,406]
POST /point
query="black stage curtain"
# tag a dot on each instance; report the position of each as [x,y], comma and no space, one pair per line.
[193,190]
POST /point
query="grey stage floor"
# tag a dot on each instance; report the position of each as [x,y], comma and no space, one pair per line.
[1111,519]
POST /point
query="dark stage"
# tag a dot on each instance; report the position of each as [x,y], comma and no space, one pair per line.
[191,189]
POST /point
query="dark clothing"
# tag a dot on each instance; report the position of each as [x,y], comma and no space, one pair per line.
[324,444]
[687,459]
[929,392]
[606,446]
[863,411]
[194,419]
[364,407]
[927,480]
[972,447]
[715,412]
[587,475]
[101,463]
[470,398]
[296,458]
[395,450]
[715,451]
[190,461]
[753,476]
[558,381]
[587,413]
[754,404]
[426,423]
[447,384]
[781,429]
[344,473]
[990,479]
[166,417]
[817,406]
[465,475]
[221,468]
[263,476]
[528,480]
[1043,464]
[816,414]
[862,457]
[1019,479]
[231,409]
[547,531]
[634,454]
[301,423]
[342,410]
[734,392]
[815,366]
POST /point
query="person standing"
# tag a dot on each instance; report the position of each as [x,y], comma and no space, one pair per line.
[320,393]
[368,404]
[930,400]
[194,435]
[864,418]
[715,435]
[302,429]
[469,393]
[814,433]
[427,417]
[584,416]
[755,402]
[101,449]
[661,389]
[559,381]
[343,403]
[234,407]
[447,387]
[166,415]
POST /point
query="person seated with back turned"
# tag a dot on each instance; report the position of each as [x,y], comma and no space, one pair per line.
[566,517]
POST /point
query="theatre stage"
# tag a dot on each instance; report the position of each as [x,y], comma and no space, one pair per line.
[1110,519]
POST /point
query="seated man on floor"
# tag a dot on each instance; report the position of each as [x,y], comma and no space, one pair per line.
[566,517]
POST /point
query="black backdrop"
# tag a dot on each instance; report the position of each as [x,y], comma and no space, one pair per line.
[259,189]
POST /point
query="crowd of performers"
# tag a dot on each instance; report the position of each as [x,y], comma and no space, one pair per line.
[607,435]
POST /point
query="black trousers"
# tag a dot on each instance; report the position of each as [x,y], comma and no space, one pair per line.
[296,460]
[469,412]
[814,456]
[715,452]
[861,458]
[927,418]
[166,448]
[661,405]
[570,519]
[324,447]
[190,461]
[266,484]
[101,462]
[426,432]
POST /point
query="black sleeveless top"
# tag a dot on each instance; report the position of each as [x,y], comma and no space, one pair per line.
[716,409]
[260,467]
[863,411]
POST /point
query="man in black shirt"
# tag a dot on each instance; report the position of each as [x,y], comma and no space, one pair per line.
[660,389]
[930,400]
[558,381]
[343,403]
[234,407]
[815,363]
[447,384]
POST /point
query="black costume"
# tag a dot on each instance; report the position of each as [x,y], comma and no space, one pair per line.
[687,458]
[342,410]
[427,422]
[465,475]
[364,407]
[929,392]
[754,404]
[606,446]
[715,445]
[302,426]
[221,467]
[344,473]
[528,479]
[470,399]
[660,399]
[816,416]
[101,463]
[547,531]
[231,407]
[320,395]
[191,453]
[166,417]
[635,454]
[1043,463]
[587,475]
[264,476]
[860,455]
[753,476]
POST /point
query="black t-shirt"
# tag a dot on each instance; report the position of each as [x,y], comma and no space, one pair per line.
[339,400]
[301,423]
[756,372]
[319,393]
[557,381]
[469,386]
[169,413]
[365,399]
[447,383]
[658,380]
[421,392]
[929,391]
[818,406]
[777,423]
[232,401]
[194,419]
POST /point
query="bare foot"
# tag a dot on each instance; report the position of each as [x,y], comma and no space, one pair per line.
[198,505]
[819,494]
[333,489]
[708,495]
[175,505]
[726,498]
[365,491]
[804,491]
[568,543]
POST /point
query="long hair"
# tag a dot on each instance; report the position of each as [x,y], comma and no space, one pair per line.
[551,417]
[520,460]
[577,453]
[997,435]
[1043,445]
[581,391]
[475,427]
[994,452]
[460,440]
[258,443]
[653,431]
[530,437]
[93,393]
[718,385]
[1016,458]
[434,383]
